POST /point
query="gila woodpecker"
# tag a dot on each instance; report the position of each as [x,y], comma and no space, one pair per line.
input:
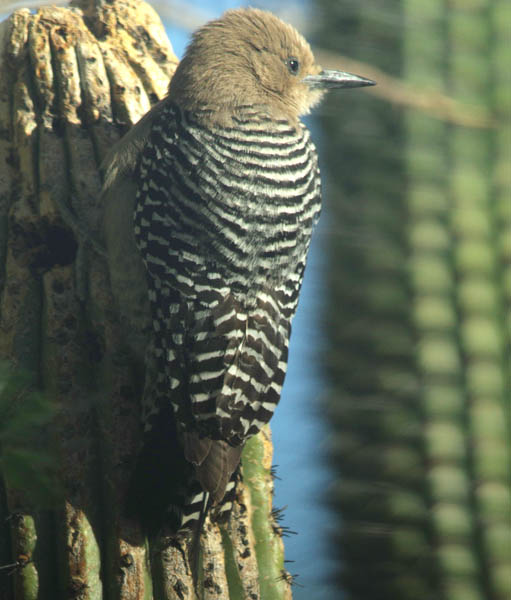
[221,182]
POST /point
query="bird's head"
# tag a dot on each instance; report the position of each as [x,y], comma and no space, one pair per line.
[249,57]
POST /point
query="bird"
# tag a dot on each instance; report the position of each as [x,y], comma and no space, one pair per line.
[210,204]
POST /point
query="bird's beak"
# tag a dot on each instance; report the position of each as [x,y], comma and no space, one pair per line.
[329,79]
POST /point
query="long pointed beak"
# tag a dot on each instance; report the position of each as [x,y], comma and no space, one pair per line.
[329,79]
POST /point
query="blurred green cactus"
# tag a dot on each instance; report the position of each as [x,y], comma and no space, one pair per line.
[420,256]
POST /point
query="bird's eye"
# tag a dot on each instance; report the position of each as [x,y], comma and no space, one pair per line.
[293,65]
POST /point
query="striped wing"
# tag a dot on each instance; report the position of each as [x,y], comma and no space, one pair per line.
[237,359]
[223,223]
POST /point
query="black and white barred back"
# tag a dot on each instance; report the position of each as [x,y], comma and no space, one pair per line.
[223,221]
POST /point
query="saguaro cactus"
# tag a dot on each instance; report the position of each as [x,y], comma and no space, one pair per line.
[72,81]
[419,290]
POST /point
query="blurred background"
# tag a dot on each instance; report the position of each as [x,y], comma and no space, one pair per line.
[393,435]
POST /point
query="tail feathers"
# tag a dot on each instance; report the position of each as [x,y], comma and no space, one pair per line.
[195,512]
[180,506]
[217,469]
[215,462]
[222,511]
[168,488]
[198,503]
[197,530]
[194,507]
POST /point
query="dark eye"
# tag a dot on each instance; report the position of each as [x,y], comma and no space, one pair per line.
[293,65]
